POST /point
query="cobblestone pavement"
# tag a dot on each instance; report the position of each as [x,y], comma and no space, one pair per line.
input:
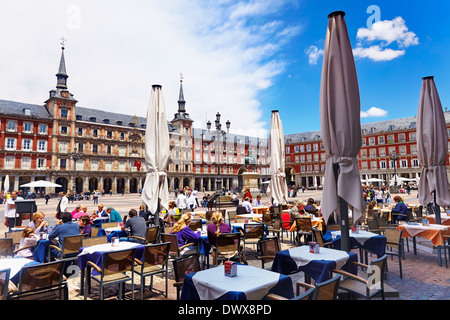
[423,278]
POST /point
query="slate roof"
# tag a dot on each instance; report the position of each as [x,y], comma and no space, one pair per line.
[17,109]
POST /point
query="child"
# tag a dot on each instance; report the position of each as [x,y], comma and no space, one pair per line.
[28,239]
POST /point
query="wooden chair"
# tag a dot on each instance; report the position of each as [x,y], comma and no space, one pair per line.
[268,248]
[92,241]
[359,286]
[154,261]
[326,290]
[116,265]
[4,281]
[183,266]
[394,240]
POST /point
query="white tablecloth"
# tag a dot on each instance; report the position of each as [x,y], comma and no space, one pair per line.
[302,256]
[15,264]
[107,247]
[254,282]
[361,236]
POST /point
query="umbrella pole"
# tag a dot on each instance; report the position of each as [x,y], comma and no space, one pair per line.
[343,216]
[437,214]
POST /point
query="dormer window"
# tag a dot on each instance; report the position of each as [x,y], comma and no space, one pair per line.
[119,123]
[93,119]
[106,121]
[79,118]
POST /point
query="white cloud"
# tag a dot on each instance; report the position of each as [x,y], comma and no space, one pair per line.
[373,112]
[314,54]
[386,33]
[376,53]
[227,52]
[389,31]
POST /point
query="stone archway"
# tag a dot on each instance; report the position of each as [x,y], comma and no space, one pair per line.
[120,185]
[107,185]
[93,184]
[63,182]
[133,185]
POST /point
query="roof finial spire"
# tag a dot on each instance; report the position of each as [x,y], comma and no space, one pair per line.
[63,41]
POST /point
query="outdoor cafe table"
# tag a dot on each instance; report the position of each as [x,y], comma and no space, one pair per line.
[97,222]
[261,210]
[15,264]
[317,266]
[365,240]
[251,216]
[250,283]
[445,219]
[113,232]
[95,255]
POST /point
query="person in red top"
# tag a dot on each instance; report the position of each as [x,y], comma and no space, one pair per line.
[248,194]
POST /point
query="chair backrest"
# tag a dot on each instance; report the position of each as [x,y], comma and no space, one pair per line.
[4,281]
[327,290]
[15,235]
[393,236]
[277,224]
[118,261]
[419,212]
[253,230]
[109,225]
[195,224]
[152,234]
[372,224]
[92,241]
[240,209]
[410,213]
[269,246]
[276,209]
[185,265]
[304,224]
[72,244]
[6,247]
[380,265]
[208,215]
[305,296]
[267,219]
[318,236]
[231,216]
[156,254]
[94,231]
[381,220]
[167,230]
[172,238]
[41,275]
[228,242]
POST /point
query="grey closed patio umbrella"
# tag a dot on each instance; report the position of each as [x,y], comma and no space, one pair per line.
[155,192]
[341,128]
[277,188]
[432,148]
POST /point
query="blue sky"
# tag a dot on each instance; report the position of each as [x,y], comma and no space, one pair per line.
[240,58]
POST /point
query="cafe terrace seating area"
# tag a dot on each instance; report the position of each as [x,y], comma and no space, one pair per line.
[280,258]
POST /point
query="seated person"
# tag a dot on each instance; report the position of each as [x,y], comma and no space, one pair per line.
[137,227]
[100,211]
[247,205]
[169,216]
[370,209]
[184,234]
[85,225]
[38,223]
[76,210]
[114,216]
[142,212]
[311,206]
[400,208]
[257,202]
[218,226]
[65,227]
[28,238]
[81,213]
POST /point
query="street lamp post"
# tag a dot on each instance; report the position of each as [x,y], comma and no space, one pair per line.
[394,157]
[218,134]
[75,156]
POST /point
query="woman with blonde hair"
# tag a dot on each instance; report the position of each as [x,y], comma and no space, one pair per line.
[218,226]
[184,234]
[38,224]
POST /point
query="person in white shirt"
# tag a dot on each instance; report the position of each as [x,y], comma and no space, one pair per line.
[379,194]
[257,202]
[10,210]
[192,204]
[62,205]
[181,201]
[247,205]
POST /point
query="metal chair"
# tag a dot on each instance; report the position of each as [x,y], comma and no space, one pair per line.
[151,235]
[94,231]
[231,216]
[183,266]
[326,290]
[319,239]
[16,236]
[304,229]
[7,247]
[176,250]
[154,261]
[253,232]
[114,269]
[304,296]
[394,240]
[268,248]
[359,286]
[71,247]
[195,224]
[227,247]
[106,225]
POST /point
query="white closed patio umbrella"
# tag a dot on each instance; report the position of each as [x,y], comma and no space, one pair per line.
[155,192]
[432,148]
[6,184]
[41,183]
[341,128]
[277,189]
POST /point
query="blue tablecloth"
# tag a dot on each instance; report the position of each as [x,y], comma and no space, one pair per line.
[318,269]
[40,253]
[113,234]
[369,241]
[251,283]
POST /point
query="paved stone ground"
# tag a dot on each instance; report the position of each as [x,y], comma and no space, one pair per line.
[423,278]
